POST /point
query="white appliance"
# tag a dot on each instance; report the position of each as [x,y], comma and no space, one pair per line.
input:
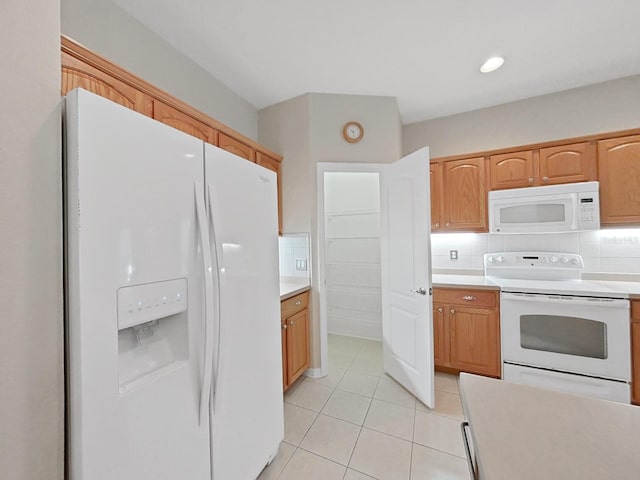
[558,331]
[554,208]
[173,323]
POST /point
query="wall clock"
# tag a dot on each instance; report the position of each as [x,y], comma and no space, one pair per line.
[352,132]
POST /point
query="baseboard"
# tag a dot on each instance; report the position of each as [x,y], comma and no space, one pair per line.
[313,372]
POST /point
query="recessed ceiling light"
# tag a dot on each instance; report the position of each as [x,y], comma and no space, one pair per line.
[492,64]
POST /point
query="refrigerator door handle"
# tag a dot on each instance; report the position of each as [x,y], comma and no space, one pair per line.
[216,313]
[207,366]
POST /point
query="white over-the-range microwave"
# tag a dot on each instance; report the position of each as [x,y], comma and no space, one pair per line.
[554,208]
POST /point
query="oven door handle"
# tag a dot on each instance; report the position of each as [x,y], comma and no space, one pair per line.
[565,300]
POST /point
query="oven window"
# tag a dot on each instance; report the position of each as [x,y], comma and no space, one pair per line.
[562,334]
[533,213]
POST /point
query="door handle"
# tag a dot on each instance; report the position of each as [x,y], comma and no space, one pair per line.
[207,361]
[419,291]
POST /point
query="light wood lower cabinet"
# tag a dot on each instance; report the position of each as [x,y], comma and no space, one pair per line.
[467,331]
[635,352]
[294,322]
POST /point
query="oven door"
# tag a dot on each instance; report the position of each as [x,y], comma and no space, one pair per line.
[538,213]
[584,335]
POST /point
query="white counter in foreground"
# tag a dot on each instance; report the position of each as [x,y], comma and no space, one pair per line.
[291,286]
[526,433]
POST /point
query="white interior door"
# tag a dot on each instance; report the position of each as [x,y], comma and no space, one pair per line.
[407,329]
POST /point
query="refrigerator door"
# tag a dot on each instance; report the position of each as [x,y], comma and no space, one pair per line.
[247,407]
[135,308]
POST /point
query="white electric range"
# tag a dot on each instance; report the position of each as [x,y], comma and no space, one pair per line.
[559,331]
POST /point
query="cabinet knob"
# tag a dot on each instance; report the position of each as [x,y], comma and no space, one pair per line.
[447,224]
[545,179]
[453,311]
[436,225]
[284,326]
[530,179]
[291,323]
[299,302]
[469,298]
[440,310]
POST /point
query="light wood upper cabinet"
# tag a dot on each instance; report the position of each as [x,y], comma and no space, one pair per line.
[79,74]
[511,170]
[464,195]
[544,166]
[619,175]
[273,164]
[567,163]
[435,177]
[183,122]
[234,146]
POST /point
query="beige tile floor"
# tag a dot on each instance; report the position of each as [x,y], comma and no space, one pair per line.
[357,423]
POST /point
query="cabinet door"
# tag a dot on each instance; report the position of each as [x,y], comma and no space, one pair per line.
[76,73]
[619,175]
[511,170]
[635,351]
[635,357]
[183,122]
[465,195]
[234,146]
[297,345]
[435,177]
[440,336]
[475,340]
[568,163]
[273,164]
[283,332]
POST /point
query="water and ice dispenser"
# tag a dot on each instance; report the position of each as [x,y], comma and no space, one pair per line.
[152,331]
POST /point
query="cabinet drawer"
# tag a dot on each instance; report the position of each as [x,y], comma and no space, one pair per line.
[471,298]
[635,310]
[294,304]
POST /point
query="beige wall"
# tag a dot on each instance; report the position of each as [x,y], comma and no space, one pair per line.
[108,30]
[31,341]
[308,130]
[604,107]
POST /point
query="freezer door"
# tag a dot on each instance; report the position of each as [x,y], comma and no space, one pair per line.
[247,418]
[134,296]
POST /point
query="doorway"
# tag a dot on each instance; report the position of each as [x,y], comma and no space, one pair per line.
[349,252]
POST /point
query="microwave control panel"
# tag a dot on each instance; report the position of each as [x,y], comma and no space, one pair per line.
[588,210]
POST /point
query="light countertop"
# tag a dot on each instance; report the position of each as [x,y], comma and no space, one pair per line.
[480,282]
[526,433]
[291,286]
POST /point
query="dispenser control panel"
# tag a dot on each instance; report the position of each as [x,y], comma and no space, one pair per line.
[139,304]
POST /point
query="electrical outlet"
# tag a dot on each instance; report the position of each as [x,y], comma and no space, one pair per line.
[453,254]
[301,264]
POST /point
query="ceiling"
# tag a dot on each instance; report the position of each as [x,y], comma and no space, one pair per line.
[426,53]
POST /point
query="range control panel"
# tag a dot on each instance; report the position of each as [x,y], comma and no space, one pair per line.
[526,264]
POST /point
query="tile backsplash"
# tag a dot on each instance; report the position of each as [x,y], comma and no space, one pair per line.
[603,251]
[294,255]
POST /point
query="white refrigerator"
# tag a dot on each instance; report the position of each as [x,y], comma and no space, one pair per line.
[173,309]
